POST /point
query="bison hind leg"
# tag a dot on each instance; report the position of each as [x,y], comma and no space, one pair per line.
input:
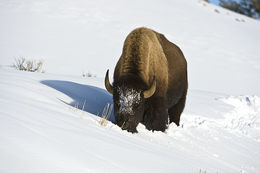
[176,110]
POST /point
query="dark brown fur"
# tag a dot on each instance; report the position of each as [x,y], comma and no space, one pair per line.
[146,54]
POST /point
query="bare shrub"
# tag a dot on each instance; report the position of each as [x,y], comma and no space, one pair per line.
[203,171]
[28,65]
[88,74]
[217,11]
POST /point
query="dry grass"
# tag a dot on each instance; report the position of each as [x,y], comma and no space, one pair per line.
[83,107]
[76,106]
[204,171]
[28,65]
[88,74]
[106,114]
[104,118]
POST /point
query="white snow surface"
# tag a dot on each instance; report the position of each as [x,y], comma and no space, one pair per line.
[41,130]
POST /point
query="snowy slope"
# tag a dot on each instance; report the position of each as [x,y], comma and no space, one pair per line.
[76,36]
[42,131]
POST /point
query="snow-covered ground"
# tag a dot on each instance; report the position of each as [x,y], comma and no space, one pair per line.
[42,131]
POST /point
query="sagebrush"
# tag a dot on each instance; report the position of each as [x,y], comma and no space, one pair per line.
[88,74]
[28,65]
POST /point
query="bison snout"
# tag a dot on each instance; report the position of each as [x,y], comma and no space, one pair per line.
[129,126]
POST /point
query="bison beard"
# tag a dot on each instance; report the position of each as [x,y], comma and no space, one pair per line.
[150,82]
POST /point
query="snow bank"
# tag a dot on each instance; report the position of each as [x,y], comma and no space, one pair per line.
[40,131]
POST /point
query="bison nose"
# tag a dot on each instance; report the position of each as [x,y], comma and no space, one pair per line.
[130,127]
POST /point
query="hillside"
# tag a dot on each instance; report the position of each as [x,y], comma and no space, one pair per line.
[76,36]
[42,131]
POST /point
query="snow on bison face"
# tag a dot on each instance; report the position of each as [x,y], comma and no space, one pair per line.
[129,108]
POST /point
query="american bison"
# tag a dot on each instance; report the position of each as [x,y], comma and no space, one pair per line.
[150,82]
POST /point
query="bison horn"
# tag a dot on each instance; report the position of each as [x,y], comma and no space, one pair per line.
[148,93]
[109,87]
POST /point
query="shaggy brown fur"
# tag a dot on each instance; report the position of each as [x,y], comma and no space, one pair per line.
[148,54]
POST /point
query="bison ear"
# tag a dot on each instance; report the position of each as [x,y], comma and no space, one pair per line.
[109,87]
[148,93]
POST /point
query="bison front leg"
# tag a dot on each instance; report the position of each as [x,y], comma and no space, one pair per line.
[156,115]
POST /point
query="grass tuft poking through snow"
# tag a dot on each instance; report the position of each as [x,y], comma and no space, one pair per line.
[203,171]
[106,114]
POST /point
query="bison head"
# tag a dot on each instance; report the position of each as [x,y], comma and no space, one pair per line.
[129,94]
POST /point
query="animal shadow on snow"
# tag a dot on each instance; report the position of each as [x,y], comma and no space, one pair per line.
[95,98]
